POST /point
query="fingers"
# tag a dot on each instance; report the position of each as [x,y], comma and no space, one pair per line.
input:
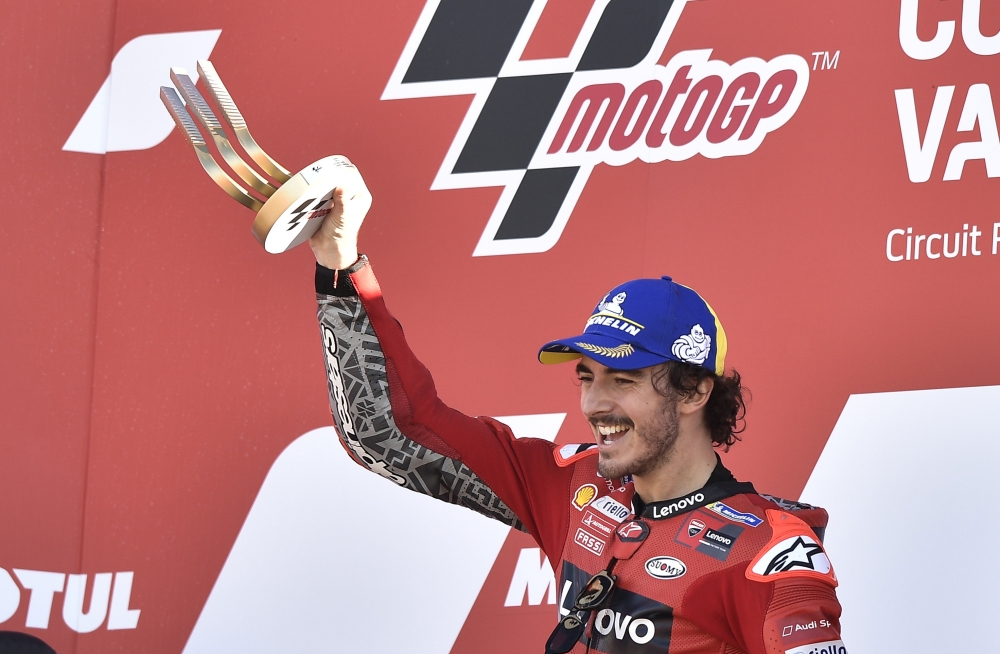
[335,242]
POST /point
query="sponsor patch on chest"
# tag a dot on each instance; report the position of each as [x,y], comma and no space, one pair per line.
[598,525]
[589,542]
[611,508]
[665,567]
[729,513]
[709,534]
[583,496]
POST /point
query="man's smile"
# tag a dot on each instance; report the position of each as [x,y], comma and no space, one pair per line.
[608,435]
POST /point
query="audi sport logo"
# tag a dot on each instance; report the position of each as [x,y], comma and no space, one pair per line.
[537,128]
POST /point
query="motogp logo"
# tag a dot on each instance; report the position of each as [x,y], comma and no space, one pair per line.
[538,127]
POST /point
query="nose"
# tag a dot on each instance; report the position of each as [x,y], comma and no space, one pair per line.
[595,401]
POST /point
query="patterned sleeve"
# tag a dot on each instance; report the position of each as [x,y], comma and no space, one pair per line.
[390,420]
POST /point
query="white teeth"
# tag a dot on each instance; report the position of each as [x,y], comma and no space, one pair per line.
[607,431]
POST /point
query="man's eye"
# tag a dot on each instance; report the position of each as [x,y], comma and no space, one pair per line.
[624,381]
[584,378]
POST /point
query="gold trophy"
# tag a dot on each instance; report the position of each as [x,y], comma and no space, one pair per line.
[291,207]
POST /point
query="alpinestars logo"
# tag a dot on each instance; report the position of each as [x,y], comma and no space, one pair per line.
[795,554]
[538,127]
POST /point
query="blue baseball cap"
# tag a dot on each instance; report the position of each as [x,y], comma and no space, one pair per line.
[643,323]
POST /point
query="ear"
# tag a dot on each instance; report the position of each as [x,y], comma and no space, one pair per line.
[696,400]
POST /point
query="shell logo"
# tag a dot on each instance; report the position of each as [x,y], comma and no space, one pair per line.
[584,495]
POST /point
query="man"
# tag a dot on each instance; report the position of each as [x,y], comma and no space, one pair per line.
[661,549]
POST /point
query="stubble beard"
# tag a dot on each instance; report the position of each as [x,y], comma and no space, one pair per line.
[659,437]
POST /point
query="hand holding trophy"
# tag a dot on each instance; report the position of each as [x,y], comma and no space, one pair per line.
[290,208]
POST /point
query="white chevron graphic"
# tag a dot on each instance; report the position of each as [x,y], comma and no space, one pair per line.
[126,114]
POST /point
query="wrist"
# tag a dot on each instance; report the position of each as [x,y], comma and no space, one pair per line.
[338,283]
[337,259]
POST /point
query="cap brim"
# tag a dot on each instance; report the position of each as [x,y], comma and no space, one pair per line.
[607,351]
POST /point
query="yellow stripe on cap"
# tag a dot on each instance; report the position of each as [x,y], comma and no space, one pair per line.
[721,342]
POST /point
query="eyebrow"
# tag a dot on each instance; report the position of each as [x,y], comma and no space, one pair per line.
[634,374]
[628,373]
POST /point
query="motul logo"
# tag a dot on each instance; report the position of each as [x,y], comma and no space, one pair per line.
[537,128]
[108,604]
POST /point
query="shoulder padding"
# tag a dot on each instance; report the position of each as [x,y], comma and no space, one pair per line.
[793,551]
[787,505]
[567,455]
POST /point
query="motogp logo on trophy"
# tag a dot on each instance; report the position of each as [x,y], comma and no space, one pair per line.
[538,127]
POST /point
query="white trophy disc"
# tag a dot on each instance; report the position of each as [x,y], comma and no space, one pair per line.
[297,209]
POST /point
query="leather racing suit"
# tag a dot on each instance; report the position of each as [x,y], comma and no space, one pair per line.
[723,570]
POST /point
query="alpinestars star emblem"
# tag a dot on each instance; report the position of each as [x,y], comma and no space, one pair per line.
[798,555]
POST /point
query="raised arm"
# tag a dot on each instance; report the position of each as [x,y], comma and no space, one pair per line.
[386,408]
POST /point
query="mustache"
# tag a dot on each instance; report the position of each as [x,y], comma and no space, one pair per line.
[612,421]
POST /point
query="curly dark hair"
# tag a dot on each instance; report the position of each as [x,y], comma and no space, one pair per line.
[725,411]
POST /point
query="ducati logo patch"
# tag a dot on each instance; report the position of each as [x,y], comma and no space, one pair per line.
[709,534]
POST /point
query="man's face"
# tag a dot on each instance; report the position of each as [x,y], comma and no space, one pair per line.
[635,427]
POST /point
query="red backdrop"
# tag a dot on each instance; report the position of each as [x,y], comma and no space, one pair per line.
[156,361]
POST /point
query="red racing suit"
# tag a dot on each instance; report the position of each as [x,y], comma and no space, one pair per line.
[724,570]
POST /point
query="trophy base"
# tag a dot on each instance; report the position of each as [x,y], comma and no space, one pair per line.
[298,207]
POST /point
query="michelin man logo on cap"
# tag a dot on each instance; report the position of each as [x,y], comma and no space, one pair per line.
[612,314]
[614,306]
[693,347]
[646,322]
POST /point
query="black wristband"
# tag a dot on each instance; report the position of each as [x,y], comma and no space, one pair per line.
[344,287]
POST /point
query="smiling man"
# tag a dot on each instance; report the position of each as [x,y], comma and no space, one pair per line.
[661,548]
[653,388]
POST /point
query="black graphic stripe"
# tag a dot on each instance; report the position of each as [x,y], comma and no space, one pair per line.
[624,34]
[536,203]
[467,39]
[511,123]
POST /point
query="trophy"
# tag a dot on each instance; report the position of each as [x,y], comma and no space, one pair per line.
[290,208]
